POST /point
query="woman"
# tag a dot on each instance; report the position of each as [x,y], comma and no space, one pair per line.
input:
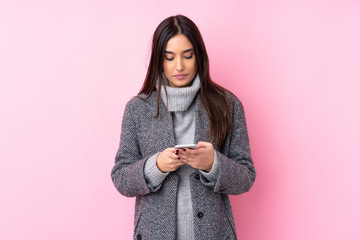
[182,193]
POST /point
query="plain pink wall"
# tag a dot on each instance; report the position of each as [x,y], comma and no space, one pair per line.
[67,69]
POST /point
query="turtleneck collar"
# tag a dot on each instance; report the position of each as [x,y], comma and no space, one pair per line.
[179,99]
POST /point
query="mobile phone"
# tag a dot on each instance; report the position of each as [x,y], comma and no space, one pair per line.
[192,146]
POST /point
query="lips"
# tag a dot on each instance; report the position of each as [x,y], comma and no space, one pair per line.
[180,76]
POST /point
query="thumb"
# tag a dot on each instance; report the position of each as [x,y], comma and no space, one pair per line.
[202,144]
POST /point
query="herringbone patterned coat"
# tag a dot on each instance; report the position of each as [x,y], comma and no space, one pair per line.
[142,135]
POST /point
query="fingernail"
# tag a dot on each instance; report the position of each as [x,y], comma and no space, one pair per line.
[176,153]
[178,158]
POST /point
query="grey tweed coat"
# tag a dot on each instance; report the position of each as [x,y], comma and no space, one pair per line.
[142,136]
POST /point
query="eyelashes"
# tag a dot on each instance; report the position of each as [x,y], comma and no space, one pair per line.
[172,58]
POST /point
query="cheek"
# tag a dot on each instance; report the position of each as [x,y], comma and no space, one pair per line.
[166,66]
[192,65]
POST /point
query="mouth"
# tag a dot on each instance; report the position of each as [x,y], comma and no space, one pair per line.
[180,76]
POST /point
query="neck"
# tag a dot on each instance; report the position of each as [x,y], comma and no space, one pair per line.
[179,99]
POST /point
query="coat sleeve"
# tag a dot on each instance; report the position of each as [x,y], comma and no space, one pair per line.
[236,169]
[128,172]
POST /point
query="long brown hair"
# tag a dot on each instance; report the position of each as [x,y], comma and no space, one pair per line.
[212,95]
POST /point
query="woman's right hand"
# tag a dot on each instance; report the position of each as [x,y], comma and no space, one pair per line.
[168,160]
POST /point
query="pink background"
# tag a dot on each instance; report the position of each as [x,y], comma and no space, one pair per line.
[67,69]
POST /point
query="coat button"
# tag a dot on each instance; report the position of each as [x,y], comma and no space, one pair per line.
[200,214]
[197,176]
[138,237]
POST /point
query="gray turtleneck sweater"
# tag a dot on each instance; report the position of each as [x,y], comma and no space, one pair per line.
[180,103]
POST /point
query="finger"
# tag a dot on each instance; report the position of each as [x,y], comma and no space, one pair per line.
[178,164]
[183,161]
[187,159]
[177,152]
[177,158]
[190,152]
[174,161]
[181,157]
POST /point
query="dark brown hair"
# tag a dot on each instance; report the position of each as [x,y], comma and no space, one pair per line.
[212,95]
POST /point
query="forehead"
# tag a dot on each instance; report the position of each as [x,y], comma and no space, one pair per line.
[178,43]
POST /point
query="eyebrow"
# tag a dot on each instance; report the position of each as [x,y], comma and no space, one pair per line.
[188,50]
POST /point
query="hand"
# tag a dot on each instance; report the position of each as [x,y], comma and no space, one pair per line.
[200,158]
[168,160]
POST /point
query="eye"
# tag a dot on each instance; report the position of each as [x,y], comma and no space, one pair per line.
[188,57]
[169,59]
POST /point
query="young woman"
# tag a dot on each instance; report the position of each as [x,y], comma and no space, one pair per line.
[182,193]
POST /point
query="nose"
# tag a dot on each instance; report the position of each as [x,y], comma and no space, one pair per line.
[179,65]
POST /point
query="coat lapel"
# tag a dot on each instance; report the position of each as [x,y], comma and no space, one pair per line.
[167,124]
[201,122]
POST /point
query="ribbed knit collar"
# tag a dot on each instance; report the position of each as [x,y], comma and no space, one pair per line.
[179,99]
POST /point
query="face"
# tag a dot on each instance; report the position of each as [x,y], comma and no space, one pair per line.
[179,61]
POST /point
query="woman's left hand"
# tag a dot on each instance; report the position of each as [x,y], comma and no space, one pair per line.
[200,158]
